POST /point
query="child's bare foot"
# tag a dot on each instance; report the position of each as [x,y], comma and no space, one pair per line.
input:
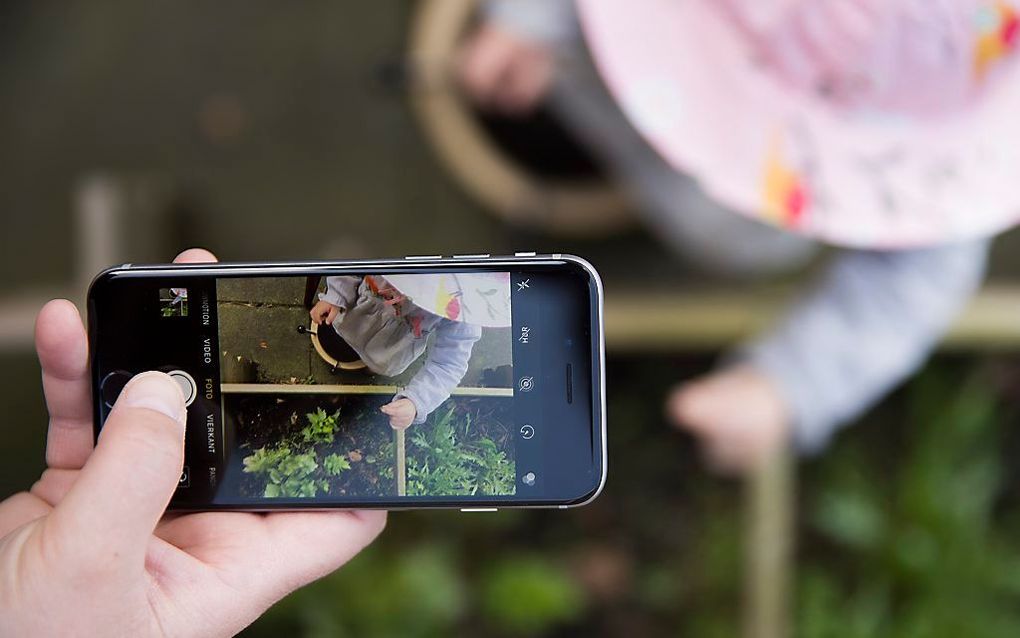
[738,415]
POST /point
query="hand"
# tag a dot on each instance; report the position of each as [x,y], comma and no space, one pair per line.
[401,412]
[324,312]
[503,71]
[85,551]
[738,414]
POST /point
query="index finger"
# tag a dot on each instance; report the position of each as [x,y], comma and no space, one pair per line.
[62,346]
[195,256]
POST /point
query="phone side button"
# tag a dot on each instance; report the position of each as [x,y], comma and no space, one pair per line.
[530,253]
[422,257]
[479,509]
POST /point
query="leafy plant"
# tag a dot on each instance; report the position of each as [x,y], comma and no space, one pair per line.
[263,460]
[286,474]
[921,550]
[289,467]
[335,464]
[413,591]
[321,427]
[497,472]
[528,595]
[443,464]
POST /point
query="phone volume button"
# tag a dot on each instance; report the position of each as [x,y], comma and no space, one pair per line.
[479,509]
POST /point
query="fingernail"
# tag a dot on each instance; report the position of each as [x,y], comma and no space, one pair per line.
[155,391]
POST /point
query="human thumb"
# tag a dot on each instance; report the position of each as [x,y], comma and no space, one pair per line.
[128,480]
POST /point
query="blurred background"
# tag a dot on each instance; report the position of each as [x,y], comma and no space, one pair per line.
[265,130]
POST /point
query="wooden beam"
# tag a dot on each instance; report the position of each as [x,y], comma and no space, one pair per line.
[769,511]
[322,388]
[401,463]
[678,321]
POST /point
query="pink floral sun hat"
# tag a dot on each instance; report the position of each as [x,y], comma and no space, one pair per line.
[867,123]
[482,299]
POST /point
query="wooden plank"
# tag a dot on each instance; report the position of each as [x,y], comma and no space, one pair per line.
[709,320]
[677,321]
[769,508]
[401,463]
[317,388]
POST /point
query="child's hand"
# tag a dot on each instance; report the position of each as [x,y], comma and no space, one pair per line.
[738,414]
[324,312]
[503,71]
[401,413]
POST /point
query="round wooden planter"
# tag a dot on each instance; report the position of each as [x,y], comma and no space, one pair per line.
[568,207]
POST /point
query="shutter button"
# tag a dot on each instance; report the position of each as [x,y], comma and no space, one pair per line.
[188,387]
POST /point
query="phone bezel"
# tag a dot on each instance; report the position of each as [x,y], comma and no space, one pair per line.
[284,268]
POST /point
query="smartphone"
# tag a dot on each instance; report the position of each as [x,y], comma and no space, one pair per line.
[473,381]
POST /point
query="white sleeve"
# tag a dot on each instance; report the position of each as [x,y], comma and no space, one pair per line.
[341,291]
[873,321]
[444,368]
[544,21]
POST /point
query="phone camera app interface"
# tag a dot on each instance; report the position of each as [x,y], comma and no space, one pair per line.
[366,387]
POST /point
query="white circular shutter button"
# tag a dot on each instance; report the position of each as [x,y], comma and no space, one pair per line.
[188,386]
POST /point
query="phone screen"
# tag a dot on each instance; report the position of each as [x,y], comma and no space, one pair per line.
[384,386]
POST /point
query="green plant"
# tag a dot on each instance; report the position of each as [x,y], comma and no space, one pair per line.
[497,472]
[334,464]
[921,546]
[527,595]
[443,464]
[414,591]
[265,459]
[321,427]
[286,474]
[289,467]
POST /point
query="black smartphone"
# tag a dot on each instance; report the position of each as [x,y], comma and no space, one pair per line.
[470,381]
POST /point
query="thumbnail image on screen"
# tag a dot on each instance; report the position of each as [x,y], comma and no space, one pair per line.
[173,302]
[368,385]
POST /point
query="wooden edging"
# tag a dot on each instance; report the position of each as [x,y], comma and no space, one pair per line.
[401,445]
[317,388]
[675,321]
[566,207]
[769,511]
[679,320]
